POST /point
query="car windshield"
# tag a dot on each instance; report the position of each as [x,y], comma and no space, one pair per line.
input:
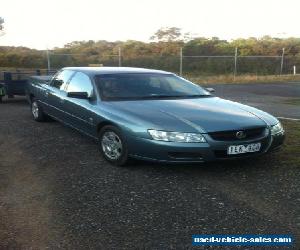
[137,86]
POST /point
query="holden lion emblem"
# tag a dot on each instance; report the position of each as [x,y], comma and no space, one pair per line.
[240,135]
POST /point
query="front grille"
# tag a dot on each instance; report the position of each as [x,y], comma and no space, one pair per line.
[231,135]
[185,155]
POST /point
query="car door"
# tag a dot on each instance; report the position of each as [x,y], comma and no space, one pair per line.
[56,94]
[81,111]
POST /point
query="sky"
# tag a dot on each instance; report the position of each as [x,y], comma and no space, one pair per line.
[46,24]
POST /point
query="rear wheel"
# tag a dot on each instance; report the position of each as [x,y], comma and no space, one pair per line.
[113,146]
[2,92]
[36,111]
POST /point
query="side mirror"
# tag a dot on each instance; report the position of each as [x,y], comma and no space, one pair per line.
[79,95]
[211,90]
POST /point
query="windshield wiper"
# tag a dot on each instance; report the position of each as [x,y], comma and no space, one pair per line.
[161,96]
[196,96]
[153,96]
[173,96]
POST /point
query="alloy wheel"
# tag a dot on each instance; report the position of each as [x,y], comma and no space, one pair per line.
[35,110]
[111,145]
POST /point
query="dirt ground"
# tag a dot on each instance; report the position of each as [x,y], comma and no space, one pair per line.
[57,192]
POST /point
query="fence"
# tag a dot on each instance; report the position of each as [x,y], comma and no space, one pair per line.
[183,63]
[194,64]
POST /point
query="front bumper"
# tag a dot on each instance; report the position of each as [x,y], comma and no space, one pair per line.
[148,149]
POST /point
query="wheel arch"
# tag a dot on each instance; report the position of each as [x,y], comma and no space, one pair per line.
[31,96]
[106,123]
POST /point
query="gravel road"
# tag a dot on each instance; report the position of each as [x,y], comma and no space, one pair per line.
[57,192]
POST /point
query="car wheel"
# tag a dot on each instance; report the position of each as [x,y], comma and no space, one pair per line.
[36,111]
[113,146]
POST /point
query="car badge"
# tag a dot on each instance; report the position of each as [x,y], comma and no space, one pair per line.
[240,135]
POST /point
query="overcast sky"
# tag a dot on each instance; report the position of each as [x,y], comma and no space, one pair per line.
[41,24]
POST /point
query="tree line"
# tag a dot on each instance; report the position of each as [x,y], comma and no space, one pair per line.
[163,52]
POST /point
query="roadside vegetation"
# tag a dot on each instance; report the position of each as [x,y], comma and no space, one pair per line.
[245,78]
[162,52]
[293,101]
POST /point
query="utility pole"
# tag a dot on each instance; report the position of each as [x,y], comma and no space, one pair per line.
[180,65]
[120,57]
[48,61]
[281,64]
[235,63]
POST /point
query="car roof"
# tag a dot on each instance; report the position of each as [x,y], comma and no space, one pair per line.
[114,70]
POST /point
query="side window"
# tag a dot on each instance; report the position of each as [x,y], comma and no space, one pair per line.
[61,79]
[80,82]
[154,82]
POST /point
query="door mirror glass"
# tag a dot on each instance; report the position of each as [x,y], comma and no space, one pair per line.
[211,90]
[79,95]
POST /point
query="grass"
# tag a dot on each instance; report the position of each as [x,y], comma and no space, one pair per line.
[242,79]
[290,153]
[292,101]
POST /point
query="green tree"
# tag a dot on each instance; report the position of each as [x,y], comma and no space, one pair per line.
[167,34]
[1,26]
[163,53]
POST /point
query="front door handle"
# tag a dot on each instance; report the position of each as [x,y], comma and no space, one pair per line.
[91,121]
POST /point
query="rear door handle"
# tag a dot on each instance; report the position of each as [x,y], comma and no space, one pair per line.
[47,93]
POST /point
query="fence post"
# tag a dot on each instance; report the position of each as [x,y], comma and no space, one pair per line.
[48,61]
[180,65]
[281,64]
[235,63]
[120,57]
[294,70]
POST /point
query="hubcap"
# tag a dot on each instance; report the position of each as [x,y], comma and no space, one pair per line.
[111,145]
[35,110]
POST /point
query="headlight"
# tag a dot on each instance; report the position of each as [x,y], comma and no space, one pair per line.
[176,136]
[277,129]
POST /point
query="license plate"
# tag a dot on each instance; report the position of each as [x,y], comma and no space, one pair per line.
[242,149]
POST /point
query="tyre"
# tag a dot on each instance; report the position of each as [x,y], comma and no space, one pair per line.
[2,92]
[113,146]
[36,111]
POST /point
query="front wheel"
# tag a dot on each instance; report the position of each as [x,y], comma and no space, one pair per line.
[113,146]
[36,111]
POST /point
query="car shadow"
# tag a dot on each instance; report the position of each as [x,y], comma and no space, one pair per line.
[229,166]
[19,100]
